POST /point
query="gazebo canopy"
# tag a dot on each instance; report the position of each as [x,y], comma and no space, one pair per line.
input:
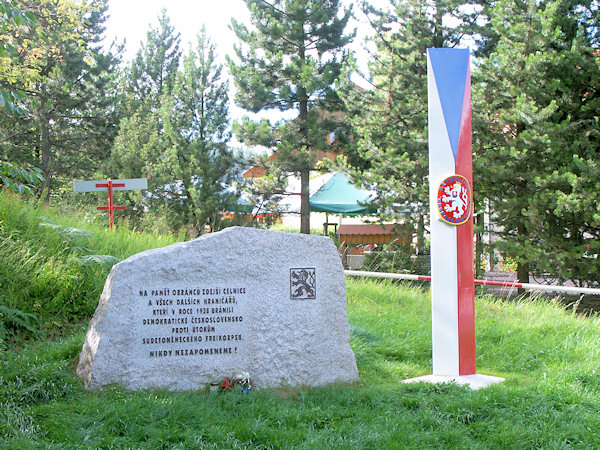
[340,196]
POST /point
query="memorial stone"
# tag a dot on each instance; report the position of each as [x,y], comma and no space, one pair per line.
[270,304]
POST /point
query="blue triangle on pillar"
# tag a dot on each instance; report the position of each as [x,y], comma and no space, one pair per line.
[450,71]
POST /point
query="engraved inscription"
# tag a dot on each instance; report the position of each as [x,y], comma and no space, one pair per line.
[193,321]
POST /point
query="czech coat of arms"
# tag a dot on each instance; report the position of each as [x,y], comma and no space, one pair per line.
[303,283]
[454,200]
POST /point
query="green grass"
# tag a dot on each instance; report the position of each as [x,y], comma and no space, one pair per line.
[292,229]
[551,398]
[53,265]
[549,356]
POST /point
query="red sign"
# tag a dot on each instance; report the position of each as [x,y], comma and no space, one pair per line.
[454,200]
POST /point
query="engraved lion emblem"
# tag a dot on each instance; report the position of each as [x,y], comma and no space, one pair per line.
[303,283]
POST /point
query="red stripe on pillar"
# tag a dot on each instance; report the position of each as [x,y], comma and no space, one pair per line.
[464,241]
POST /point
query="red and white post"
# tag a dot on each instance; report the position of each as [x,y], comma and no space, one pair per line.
[111,206]
[451,217]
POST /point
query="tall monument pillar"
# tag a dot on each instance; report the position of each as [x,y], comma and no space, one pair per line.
[451,217]
[451,211]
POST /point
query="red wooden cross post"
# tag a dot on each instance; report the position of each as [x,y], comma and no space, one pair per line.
[110,185]
[111,207]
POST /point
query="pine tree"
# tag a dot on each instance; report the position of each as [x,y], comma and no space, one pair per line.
[153,70]
[289,60]
[178,135]
[140,146]
[537,139]
[68,115]
[197,126]
[389,120]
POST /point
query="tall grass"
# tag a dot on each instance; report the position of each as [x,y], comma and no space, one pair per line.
[53,266]
[551,398]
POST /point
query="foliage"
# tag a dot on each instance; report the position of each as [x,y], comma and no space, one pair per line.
[397,259]
[68,115]
[105,260]
[196,121]
[549,400]
[18,178]
[13,176]
[16,322]
[152,72]
[136,150]
[176,133]
[51,270]
[537,142]
[289,61]
[389,120]
[11,16]
[265,194]
[140,145]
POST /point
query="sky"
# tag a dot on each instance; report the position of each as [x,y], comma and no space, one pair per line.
[129,20]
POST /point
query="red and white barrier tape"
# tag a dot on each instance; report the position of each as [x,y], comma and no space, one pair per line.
[537,287]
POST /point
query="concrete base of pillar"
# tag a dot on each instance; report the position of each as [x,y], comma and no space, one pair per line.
[472,381]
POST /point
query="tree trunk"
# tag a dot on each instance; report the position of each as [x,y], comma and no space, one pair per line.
[305,171]
[420,235]
[45,156]
[304,202]
[522,274]
[478,244]
[523,267]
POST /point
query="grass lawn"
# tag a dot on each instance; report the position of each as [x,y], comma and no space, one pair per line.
[51,275]
[549,356]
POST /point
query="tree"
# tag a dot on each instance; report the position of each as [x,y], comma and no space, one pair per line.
[196,120]
[68,118]
[178,132]
[139,147]
[11,16]
[537,138]
[15,177]
[153,71]
[289,61]
[389,120]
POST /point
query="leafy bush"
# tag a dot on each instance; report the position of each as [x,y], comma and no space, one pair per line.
[14,322]
[19,179]
[40,276]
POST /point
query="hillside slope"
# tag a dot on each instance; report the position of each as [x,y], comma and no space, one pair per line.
[53,265]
